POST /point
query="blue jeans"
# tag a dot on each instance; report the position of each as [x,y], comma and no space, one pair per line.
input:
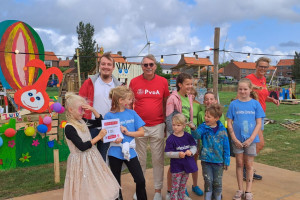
[212,174]
[102,147]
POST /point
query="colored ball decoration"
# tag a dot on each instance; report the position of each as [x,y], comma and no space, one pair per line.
[57,107]
[10,132]
[47,120]
[42,128]
[1,141]
[62,110]
[29,131]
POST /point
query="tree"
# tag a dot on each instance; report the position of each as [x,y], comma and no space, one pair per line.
[296,66]
[87,46]
[158,70]
[223,64]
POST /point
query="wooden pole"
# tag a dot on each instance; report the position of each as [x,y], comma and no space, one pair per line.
[56,166]
[78,68]
[216,60]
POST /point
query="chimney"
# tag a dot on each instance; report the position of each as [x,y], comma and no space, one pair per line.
[244,60]
[67,58]
[59,59]
[232,60]
[208,57]
[182,56]
[119,53]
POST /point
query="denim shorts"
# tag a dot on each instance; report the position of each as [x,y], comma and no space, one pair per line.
[250,151]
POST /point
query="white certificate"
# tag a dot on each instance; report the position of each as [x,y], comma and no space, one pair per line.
[113,130]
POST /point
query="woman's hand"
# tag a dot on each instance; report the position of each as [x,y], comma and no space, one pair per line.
[118,140]
[276,102]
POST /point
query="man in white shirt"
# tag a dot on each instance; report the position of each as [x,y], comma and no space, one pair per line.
[96,89]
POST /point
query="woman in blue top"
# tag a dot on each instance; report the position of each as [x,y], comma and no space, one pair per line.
[244,122]
[123,150]
[215,151]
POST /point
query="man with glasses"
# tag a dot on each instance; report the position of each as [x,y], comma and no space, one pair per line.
[96,89]
[151,93]
[258,80]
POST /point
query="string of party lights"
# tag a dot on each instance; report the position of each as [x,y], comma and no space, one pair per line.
[161,56]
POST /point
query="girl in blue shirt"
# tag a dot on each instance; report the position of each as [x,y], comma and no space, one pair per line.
[123,150]
[244,122]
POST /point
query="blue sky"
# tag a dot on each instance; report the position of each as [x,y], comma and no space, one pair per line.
[174,26]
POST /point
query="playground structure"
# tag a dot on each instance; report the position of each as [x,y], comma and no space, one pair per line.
[29,117]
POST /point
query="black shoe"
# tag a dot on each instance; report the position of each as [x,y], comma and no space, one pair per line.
[257,177]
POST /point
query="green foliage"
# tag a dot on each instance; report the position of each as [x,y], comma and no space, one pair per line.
[87,46]
[296,66]
[158,69]
[223,64]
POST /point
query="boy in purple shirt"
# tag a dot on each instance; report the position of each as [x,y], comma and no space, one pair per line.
[180,147]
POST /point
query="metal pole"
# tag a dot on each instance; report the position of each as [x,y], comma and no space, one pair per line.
[78,68]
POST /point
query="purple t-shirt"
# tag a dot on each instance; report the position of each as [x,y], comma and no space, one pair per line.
[178,144]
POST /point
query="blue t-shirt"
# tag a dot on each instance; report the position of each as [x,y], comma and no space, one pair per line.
[181,144]
[132,121]
[244,115]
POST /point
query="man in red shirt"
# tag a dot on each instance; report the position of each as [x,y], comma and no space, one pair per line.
[151,93]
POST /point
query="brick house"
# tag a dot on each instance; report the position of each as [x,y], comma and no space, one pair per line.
[51,60]
[193,64]
[67,63]
[240,70]
[284,67]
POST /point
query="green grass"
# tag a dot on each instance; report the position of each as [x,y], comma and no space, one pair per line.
[281,150]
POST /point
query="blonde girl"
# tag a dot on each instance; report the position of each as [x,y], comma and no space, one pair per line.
[244,119]
[181,148]
[123,150]
[87,176]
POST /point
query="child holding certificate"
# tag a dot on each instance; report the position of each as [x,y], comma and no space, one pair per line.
[88,176]
[123,150]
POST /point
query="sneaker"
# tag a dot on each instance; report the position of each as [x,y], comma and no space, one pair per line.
[197,190]
[186,197]
[248,196]
[134,196]
[256,176]
[157,196]
[238,195]
[186,193]
[168,196]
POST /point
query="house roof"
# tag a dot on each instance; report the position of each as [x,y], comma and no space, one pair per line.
[49,55]
[64,63]
[249,65]
[167,66]
[286,62]
[200,61]
[116,57]
[69,70]
[221,71]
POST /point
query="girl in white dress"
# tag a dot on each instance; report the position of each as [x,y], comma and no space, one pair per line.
[87,177]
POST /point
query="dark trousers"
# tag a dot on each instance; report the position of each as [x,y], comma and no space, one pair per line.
[135,169]
[102,147]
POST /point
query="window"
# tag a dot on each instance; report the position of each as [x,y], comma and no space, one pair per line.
[280,73]
[289,67]
[268,72]
[243,71]
[289,73]
[48,63]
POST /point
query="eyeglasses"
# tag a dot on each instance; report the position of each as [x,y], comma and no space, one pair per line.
[263,67]
[150,64]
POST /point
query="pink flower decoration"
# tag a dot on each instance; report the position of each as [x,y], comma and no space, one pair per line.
[11,143]
[35,143]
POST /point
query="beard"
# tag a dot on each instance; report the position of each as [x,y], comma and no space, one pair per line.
[105,76]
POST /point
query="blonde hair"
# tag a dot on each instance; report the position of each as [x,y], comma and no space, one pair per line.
[180,119]
[71,100]
[215,110]
[117,93]
[253,94]
[263,59]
